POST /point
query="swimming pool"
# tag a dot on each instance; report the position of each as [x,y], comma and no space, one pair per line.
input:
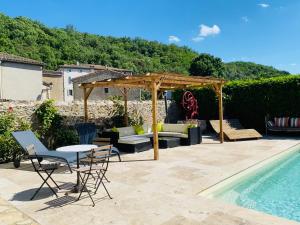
[273,187]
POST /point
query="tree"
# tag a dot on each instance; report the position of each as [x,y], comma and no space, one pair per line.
[207,65]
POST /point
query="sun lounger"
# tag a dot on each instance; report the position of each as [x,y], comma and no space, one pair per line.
[26,138]
[233,130]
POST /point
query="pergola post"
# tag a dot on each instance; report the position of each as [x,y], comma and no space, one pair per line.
[154,119]
[86,94]
[125,95]
[220,100]
[85,105]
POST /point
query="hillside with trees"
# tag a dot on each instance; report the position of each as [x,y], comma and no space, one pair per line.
[249,70]
[56,46]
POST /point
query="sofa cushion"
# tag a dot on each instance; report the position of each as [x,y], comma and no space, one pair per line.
[133,140]
[126,131]
[172,134]
[160,126]
[295,122]
[281,121]
[147,128]
[139,129]
[177,128]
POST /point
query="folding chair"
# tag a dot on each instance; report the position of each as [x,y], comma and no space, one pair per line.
[98,161]
[47,168]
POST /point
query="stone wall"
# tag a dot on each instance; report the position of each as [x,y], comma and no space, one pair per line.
[98,110]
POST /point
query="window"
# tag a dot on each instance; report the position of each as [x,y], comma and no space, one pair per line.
[69,70]
[105,90]
[70,92]
[70,80]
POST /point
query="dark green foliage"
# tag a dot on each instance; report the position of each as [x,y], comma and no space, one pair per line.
[8,147]
[49,122]
[52,132]
[207,65]
[66,136]
[251,100]
[54,46]
[248,70]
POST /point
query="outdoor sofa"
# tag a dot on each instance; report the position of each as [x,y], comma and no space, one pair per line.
[127,140]
[282,124]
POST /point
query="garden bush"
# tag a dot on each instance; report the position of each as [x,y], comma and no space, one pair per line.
[8,147]
[251,100]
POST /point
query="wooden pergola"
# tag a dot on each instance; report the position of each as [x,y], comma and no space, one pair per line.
[156,83]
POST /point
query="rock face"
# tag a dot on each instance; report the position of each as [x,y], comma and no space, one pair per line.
[98,111]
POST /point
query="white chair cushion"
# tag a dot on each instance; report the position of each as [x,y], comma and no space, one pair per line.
[177,128]
[133,140]
[172,134]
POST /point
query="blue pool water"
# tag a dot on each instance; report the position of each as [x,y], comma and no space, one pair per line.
[274,190]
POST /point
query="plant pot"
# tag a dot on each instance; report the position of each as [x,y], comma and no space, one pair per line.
[17,163]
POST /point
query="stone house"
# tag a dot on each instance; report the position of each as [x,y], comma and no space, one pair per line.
[76,70]
[20,78]
[54,80]
[105,92]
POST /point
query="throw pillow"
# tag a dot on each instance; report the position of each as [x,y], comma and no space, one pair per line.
[281,121]
[160,127]
[114,129]
[138,129]
[186,131]
[295,122]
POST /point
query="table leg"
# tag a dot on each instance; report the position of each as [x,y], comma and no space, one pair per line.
[78,178]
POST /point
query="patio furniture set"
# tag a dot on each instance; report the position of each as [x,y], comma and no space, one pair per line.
[282,124]
[91,163]
[130,140]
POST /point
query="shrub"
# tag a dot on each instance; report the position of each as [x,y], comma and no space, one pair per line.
[49,122]
[9,149]
[65,137]
[251,100]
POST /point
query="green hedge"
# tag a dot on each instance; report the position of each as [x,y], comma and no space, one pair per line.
[251,100]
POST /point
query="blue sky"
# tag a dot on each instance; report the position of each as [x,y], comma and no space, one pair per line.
[266,32]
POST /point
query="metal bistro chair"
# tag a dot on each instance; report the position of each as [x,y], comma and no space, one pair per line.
[46,167]
[95,167]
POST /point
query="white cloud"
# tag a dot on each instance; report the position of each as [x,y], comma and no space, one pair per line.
[173,38]
[206,31]
[197,39]
[293,64]
[263,5]
[245,19]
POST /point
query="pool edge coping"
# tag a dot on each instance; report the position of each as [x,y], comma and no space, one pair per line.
[212,190]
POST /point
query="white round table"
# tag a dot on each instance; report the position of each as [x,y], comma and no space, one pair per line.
[76,149]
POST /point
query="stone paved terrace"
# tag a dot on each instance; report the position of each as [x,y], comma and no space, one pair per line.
[150,192]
